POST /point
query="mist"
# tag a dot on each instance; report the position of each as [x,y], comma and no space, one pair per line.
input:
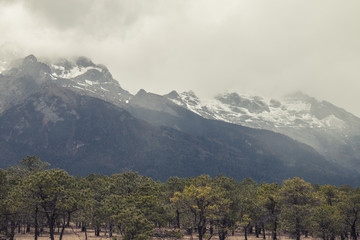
[263,47]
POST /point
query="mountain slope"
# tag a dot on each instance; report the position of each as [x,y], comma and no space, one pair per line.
[87,135]
[275,154]
[53,114]
[332,131]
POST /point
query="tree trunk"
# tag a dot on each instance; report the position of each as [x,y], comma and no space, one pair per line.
[52,232]
[64,224]
[62,232]
[297,229]
[12,230]
[97,231]
[353,231]
[257,231]
[190,232]
[323,235]
[263,230]
[36,224]
[211,230]
[110,230]
[201,229]
[52,227]
[201,225]
[85,233]
[245,233]
[222,234]
[274,230]
[68,219]
[177,218]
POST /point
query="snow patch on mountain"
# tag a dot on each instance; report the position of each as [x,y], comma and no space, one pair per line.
[60,71]
[258,112]
[333,122]
[87,82]
[82,75]
[330,130]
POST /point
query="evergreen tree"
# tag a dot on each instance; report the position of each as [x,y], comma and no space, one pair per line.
[297,205]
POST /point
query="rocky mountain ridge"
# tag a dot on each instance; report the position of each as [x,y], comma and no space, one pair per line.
[175,130]
[84,135]
[331,130]
[80,75]
[84,76]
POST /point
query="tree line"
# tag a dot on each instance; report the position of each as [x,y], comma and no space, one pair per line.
[34,197]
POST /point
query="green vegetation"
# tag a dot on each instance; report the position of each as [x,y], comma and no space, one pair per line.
[137,207]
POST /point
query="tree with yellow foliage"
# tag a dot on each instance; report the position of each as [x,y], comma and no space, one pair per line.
[204,202]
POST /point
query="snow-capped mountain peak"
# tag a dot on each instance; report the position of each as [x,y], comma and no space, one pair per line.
[296,111]
[66,69]
[331,130]
[82,75]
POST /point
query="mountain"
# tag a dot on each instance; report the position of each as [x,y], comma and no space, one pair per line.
[332,131]
[87,135]
[292,158]
[83,76]
[80,75]
[21,80]
[61,113]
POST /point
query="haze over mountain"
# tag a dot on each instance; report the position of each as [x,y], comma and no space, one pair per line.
[73,114]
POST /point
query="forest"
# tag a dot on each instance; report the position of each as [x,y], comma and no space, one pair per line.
[34,197]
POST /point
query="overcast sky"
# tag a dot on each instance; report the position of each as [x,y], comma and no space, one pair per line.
[268,47]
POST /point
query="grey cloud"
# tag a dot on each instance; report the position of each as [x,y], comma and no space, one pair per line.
[62,14]
[87,17]
[268,47]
